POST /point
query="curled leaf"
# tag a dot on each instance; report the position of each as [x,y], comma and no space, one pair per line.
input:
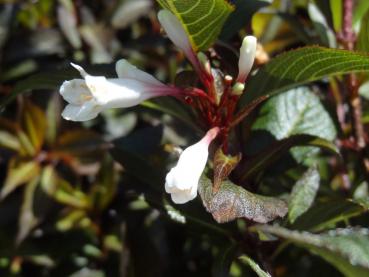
[232,201]
[223,166]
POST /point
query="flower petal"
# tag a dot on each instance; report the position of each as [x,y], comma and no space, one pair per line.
[80,69]
[183,197]
[80,113]
[128,71]
[75,91]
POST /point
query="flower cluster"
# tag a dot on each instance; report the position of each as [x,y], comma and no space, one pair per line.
[215,104]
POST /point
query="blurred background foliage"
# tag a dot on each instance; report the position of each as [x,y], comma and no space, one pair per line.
[88,199]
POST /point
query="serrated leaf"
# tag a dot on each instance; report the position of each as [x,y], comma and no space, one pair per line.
[18,174]
[232,201]
[363,37]
[303,194]
[297,111]
[202,19]
[255,267]
[300,66]
[346,249]
[276,150]
[33,122]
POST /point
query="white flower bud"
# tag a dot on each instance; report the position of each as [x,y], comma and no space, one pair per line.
[247,57]
[183,179]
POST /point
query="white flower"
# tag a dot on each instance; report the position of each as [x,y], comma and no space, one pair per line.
[89,96]
[247,56]
[183,179]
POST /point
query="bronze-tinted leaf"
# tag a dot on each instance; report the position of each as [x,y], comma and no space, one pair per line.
[223,166]
[232,201]
[33,123]
[18,174]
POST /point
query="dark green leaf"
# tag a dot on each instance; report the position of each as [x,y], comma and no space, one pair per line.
[202,19]
[224,260]
[346,249]
[300,66]
[51,80]
[134,150]
[241,17]
[232,201]
[326,214]
[363,38]
[297,111]
[276,150]
[303,194]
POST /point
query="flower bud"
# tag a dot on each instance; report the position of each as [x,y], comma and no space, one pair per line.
[247,56]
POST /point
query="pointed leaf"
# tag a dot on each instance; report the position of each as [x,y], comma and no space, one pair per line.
[27,218]
[232,201]
[18,174]
[202,19]
[303,194]
[300,66]
[346,249]
[363,38]
[276,150]
[323,215]
[33,123]
[297,111]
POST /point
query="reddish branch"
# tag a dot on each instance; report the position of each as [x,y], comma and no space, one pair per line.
[348,39]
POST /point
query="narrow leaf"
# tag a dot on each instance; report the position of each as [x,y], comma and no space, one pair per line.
[277,150]
[363,38]
[202,19]
[18,174]
[33,123]
[303,194]
[250,262]
[27,218]
[232,201]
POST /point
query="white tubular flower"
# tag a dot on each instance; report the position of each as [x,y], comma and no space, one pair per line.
[89,96]
[177,34]
[183,179]
[247,57]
